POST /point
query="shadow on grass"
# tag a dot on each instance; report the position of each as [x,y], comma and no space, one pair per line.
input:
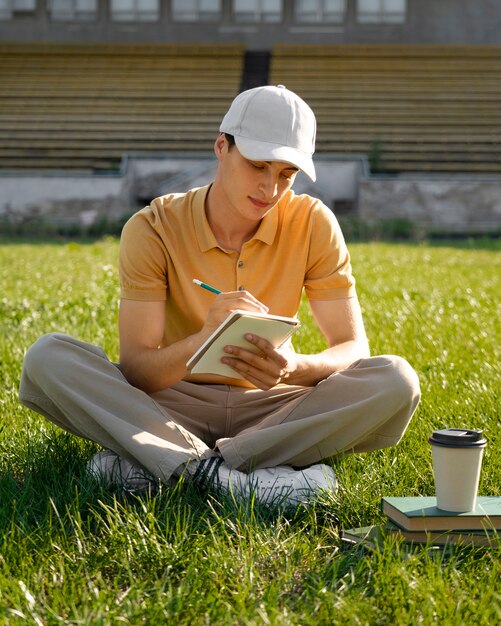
[460,242]
[56,240]
[49,478]
[467,243]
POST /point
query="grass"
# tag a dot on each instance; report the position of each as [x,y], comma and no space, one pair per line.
[73,553]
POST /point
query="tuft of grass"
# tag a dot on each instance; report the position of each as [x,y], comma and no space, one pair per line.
[73,553]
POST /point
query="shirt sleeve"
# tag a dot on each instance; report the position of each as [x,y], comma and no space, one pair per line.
[143,259]
[329,272]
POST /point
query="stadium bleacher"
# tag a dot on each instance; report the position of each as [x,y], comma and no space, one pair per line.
[83,106]
[426,108]
[422,108]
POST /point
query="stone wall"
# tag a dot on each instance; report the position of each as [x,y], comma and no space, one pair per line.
[449,205]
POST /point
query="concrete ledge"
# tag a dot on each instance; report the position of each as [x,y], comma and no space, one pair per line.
[449,204]
[85,198]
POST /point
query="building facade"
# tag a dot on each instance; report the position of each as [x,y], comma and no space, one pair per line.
[93,119]
[258,24]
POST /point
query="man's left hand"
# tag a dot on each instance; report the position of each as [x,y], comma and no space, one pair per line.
[269,367]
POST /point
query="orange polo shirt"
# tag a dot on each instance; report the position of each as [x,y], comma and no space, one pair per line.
[164,246]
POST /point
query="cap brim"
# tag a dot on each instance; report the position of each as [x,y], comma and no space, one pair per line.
[264,151]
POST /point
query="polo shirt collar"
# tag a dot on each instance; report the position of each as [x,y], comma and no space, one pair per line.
[206,240]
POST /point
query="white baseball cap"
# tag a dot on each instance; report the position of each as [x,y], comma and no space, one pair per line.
[273,124]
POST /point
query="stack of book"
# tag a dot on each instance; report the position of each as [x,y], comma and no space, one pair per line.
[418,520]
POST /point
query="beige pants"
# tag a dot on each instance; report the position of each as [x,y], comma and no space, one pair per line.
[364,407]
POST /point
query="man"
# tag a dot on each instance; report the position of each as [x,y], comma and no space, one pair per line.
[252,238]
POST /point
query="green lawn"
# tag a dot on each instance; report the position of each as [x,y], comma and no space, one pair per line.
[72,553]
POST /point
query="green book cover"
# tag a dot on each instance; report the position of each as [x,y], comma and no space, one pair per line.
[422,513]
[373,536]
[363,534]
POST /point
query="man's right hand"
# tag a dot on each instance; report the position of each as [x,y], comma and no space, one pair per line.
[142,325]
[224,304]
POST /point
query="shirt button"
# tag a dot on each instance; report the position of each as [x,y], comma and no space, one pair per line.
[241,288]
[240,264]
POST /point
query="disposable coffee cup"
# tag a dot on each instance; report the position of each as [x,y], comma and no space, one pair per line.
[457,460]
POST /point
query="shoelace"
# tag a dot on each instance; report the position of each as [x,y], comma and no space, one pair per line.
[206,474]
